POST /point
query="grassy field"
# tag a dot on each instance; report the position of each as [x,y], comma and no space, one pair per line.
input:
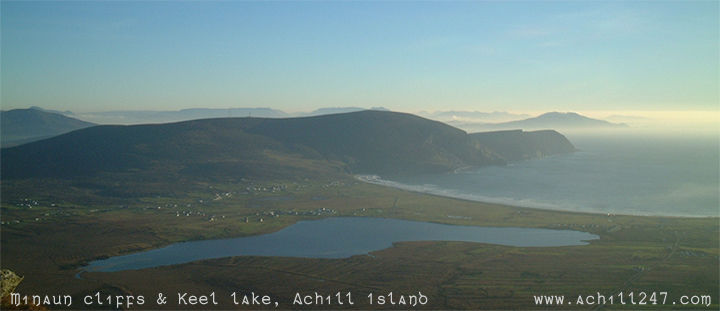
[45,238]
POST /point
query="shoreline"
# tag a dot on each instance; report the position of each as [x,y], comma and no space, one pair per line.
[378,181]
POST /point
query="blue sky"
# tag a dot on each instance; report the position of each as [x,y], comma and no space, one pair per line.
[407,56]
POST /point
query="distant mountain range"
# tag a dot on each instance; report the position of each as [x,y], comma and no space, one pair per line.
[334,110]
[149,116]
[369,142]
[473,116]
[472,121]
[19,126]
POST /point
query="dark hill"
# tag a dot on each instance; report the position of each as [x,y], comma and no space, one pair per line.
[514,145]
[26,125]
[380,142]
[376,142]
[206,147]
[366,141]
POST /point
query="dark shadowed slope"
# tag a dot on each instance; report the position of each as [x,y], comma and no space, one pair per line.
[20,126]
[375,142]
[381,142]
[209,148]
[336,110]
[514,145]
[366,141]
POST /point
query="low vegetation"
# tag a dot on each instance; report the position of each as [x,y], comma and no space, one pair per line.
[52,239]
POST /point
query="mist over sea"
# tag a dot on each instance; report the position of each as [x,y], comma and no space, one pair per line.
[635,174]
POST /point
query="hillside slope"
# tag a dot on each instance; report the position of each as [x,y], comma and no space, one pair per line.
[374,142]
[19,126]
[515,145]
[380,142]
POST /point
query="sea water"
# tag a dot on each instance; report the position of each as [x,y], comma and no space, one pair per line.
[622,174]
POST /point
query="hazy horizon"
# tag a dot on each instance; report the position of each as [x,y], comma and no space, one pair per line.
[679,121]
[478,56]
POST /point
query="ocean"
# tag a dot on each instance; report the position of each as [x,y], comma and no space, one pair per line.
[632,174]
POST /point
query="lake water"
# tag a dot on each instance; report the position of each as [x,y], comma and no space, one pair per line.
[338,237]
[622,174]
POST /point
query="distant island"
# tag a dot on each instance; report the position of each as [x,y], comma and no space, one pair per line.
[562,121]
[558,120]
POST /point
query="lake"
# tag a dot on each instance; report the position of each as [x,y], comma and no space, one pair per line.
[338,237]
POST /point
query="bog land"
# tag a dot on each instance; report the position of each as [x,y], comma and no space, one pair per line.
[48,241]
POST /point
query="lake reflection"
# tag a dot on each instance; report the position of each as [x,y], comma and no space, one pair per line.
[338,237]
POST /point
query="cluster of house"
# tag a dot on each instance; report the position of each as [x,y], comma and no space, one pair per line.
[270,188]
[30,204]
[316,212]
[574,226]
[331,184]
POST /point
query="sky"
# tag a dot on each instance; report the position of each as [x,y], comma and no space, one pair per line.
[404,55]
